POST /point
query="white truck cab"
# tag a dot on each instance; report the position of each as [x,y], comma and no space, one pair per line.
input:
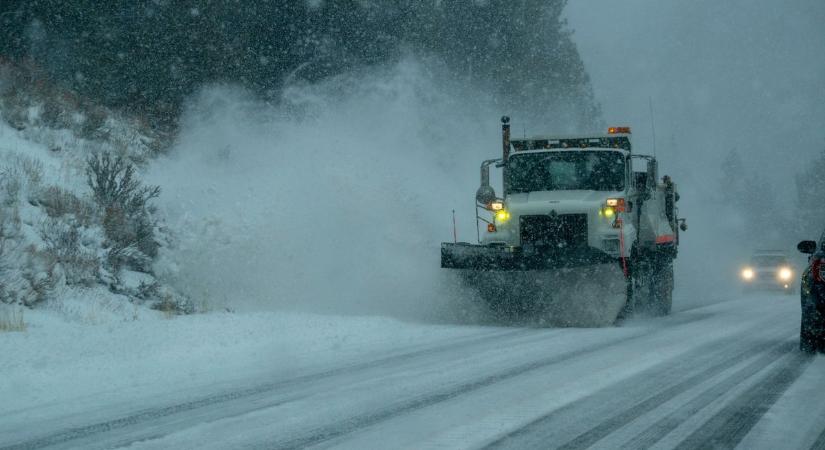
[574,201]
[584,191]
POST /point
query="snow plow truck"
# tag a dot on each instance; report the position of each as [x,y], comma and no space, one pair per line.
[583,233]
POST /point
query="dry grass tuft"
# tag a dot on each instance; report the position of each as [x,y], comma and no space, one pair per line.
[11,320]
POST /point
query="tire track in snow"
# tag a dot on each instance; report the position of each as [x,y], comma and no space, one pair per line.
[75,433]
[506,338]
[662,427]
[819,444]
[727,427]
[352,424]
[669,379]
[72,434]
[364,420]
[597,433]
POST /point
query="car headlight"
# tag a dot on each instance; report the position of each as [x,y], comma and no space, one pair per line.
[785,273]
[747,273]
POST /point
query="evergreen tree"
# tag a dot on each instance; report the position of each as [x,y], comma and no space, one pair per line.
[149,55]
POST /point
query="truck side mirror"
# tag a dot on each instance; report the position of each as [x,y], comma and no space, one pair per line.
[485,195]
[807,247]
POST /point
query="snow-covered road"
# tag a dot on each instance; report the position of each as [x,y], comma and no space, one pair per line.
[718,376]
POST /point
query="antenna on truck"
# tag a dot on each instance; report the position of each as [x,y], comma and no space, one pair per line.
[652,124]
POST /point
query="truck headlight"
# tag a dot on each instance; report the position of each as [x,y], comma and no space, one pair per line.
[608,211]
[785,274]
[502,215]
[747,273]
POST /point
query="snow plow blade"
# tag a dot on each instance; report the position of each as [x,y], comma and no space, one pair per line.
[502,258]
[580,287]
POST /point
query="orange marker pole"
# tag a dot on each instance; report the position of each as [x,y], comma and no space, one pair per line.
[455,233]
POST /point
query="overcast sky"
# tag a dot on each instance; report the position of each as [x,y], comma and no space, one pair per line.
[748,74]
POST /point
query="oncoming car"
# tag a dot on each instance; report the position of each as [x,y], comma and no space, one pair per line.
[812,293]
[768,269]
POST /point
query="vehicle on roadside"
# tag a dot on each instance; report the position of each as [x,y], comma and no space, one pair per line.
[768,270]
[812,295]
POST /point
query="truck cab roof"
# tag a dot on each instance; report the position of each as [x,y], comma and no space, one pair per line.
[590,142]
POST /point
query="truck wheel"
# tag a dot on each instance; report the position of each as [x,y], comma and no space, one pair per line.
[640,292]
[661,289]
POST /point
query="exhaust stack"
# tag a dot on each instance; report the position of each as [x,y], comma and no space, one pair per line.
[505,138]
[505,151]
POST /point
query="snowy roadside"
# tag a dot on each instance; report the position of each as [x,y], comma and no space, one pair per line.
[57,361]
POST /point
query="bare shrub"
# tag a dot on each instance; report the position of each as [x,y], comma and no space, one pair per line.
[127,223]
[80,265]
[15,110]
[18,170]
[114,183]
[42,283]
[30,168]
[94,118]
[9,188]
[58,202]
[133,239]
[10,282]
[52,114]
[174,305]
[163,298]
[128,256]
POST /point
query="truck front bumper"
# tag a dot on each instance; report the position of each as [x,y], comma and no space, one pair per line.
[505,258]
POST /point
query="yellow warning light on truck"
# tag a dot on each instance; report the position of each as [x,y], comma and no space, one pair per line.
[618,130]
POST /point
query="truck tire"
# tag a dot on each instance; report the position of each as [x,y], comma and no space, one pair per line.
[652,291]
[661,289]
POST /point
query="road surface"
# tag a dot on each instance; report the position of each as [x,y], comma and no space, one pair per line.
[720,376]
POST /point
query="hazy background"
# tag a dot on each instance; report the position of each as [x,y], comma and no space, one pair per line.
[337,197]
[318,148]
[736,75]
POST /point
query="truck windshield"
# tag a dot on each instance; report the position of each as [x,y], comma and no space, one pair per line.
[567,170]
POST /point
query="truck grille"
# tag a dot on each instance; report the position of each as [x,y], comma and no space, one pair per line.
[561,231]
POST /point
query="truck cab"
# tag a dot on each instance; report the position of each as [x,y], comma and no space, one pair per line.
[585,202]
[579,198]
[561,201]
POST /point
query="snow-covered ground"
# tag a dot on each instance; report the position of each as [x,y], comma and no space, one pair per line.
[101,354]
[717,375]
[320,206]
